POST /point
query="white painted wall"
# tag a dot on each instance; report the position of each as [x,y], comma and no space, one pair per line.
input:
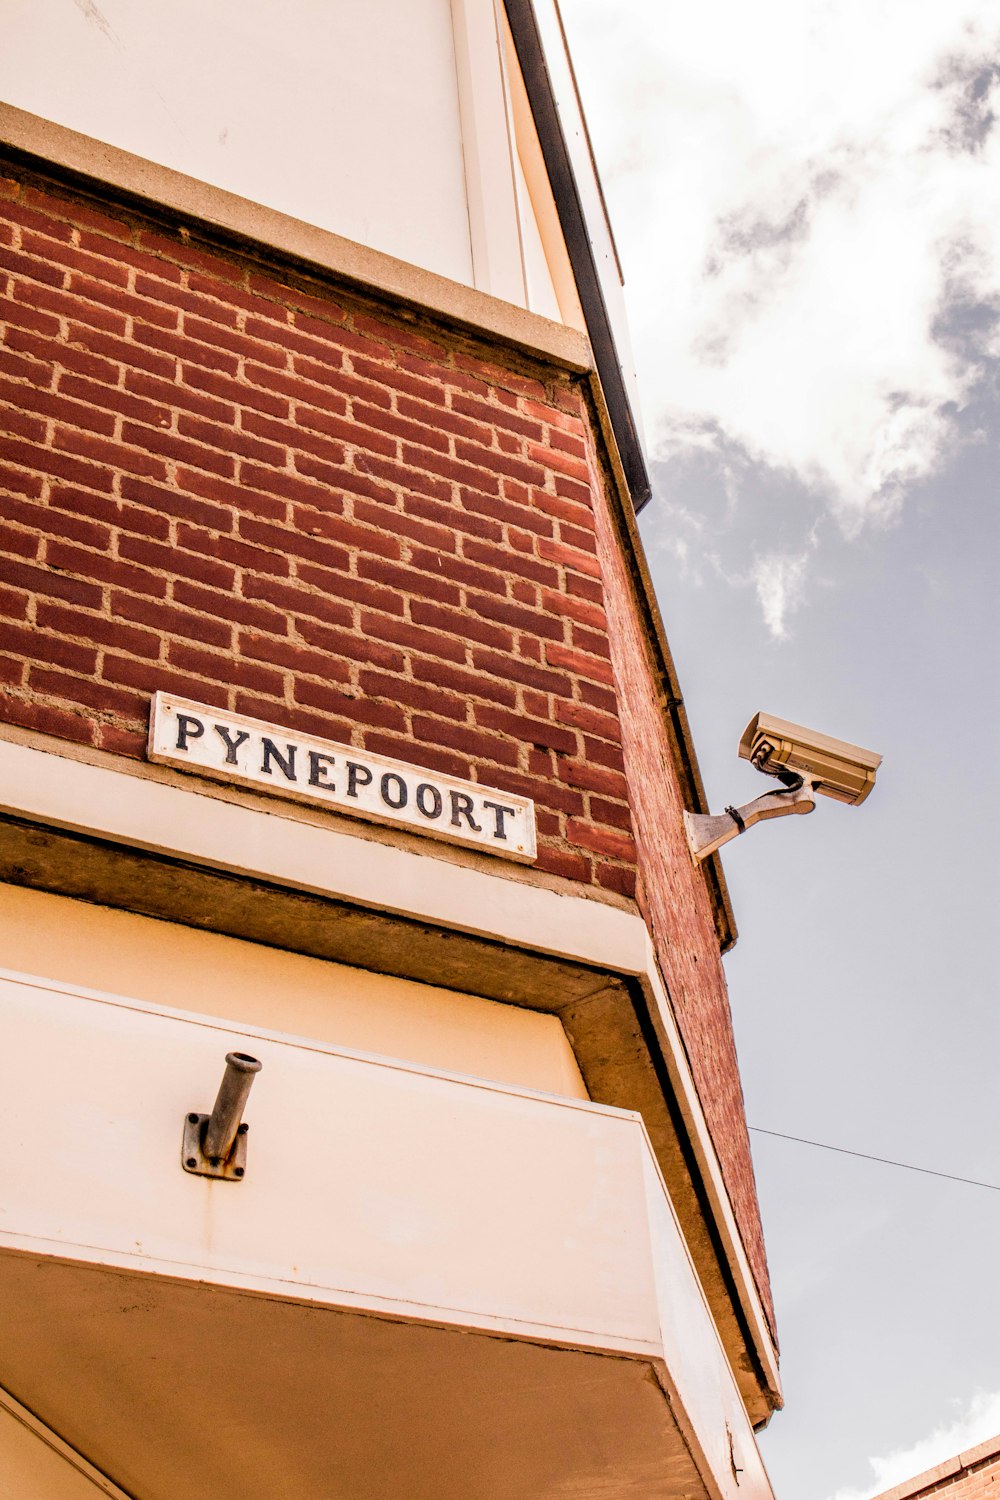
[167,964]
[339,113]
[392,122]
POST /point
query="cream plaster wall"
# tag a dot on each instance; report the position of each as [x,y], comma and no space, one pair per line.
[167,964]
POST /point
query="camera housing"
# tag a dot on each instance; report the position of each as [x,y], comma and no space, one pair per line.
[832,767]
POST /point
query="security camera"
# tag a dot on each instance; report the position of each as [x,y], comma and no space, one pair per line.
[804,761]
[833,767]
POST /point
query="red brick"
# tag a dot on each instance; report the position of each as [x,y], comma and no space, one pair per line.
[562,862]
[520,726]
[593,778]
[225,605]
[172,560]
[402,477]
[87,692]
[76,306]
[290,657]
[45,520]
[472,742]
[507,511]
[563,510]
[28,217]
[297,600]
[578,609]
[399,379]
[98,628]
[29,642]
[297,720]
[418,695]
[52,585]
[106,347]
[579,662]
[601,840]
[293,439]
[453,517]
[13,604]
[116,741]
[490,415]
[46,719]
[30,269]
[616,814]
[69,356]
[21,315]
[225,388]
[480,479]
[394,575]
[351,646]
[344,585]
[18,543]
[604,753]
[311,521]
[230,549]
[19,482]
[375,715]
[235,497]
[411,636]
[516,615]
[166,393]
[606,726]
[577,536]
[616,878]
[373,514]
[288,486]
[181,346]
[468,627]
[32,429]
[188,300]
[167,619]
[291,543]
[224,667]
[152,677]
[512,668]
[431,757]
[460,680]
[186,254]
[56,404]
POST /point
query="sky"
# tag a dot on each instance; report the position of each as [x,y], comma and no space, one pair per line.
[806,199]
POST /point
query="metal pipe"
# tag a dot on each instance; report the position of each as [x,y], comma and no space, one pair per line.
[224,1122]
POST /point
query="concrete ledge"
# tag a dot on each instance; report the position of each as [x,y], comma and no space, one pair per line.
[89,162]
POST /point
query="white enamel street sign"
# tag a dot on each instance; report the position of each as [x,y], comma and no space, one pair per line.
[230,747]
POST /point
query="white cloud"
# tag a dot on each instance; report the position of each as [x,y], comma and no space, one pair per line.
[979,1420]
[802,189]
[779,579]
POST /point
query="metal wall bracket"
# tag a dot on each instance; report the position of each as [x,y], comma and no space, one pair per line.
[193,1159]
[215,1145]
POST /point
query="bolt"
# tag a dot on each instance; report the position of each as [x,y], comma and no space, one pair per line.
[238,1171]
[243,1129]
[191,1162]
[192,1119]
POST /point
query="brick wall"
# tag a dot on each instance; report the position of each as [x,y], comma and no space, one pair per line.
[973,1475]
[288,506]
[264,497]
[673,900]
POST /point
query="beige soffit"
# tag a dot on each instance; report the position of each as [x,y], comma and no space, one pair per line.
[90,161]
[125,807]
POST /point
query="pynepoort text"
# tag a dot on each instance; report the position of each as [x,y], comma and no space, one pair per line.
[230,747]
